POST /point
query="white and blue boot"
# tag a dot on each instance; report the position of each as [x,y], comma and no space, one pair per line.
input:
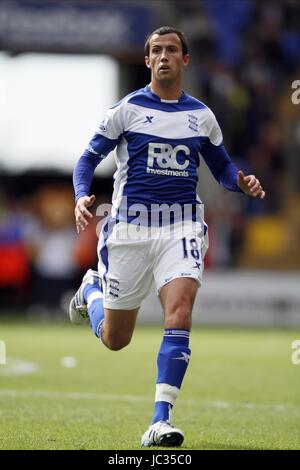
[78,311]
[162,434]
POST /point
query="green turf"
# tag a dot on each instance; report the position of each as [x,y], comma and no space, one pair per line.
[240,392]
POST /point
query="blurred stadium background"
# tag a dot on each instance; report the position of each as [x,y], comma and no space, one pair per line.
[62,63]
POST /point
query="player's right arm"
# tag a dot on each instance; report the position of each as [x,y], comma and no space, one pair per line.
[104,141]
[82,214]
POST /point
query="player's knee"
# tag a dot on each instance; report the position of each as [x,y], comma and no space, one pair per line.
[115,343]
[179,315]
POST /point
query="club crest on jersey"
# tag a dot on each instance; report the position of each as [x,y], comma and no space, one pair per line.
[113,287]
[193,122]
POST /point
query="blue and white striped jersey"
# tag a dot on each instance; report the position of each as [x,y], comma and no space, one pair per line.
[158,143]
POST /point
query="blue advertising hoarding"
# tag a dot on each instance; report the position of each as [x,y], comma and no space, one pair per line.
[87,26]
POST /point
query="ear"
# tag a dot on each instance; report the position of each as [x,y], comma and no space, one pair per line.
[147,62]
[186,60]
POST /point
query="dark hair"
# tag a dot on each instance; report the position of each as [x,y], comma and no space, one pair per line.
[167,30]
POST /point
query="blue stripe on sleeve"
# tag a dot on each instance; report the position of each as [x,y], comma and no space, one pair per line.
[102,145]
[221,166]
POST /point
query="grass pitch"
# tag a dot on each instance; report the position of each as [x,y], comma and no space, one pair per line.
[241,390]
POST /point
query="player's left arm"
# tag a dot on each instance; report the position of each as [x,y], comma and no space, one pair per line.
[250,185]
[227,174]
[222,167]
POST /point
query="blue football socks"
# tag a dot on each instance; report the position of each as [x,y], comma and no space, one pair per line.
[94,298]
[172,362]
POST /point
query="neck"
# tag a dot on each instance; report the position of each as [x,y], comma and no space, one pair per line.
[165,90]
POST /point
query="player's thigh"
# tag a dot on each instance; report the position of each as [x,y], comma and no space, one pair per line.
[177,298]
[124,266]
[180,256]
[178,273]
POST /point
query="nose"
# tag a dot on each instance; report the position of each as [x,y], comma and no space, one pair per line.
[164,56]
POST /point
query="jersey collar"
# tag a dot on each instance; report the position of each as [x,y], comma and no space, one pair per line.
[161,100]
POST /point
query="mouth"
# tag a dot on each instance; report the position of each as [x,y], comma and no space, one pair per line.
[164,68]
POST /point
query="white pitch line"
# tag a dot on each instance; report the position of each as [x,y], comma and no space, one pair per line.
[72,395]
[12,393]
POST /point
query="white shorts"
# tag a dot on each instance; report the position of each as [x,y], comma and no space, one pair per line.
[131,262]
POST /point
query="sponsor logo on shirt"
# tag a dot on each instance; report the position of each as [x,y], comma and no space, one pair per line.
[165,157]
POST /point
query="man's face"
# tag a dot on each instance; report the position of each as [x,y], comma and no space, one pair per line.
[166,60]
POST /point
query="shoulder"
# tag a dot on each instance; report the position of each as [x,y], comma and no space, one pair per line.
[123,102]
[117,113]
[144,98]
[194,104]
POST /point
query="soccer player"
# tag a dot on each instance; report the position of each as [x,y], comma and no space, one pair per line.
[155,233]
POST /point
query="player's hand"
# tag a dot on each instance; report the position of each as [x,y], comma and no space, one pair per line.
[250,185]
[82,215]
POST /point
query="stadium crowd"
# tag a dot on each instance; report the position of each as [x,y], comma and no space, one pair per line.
[245,57]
